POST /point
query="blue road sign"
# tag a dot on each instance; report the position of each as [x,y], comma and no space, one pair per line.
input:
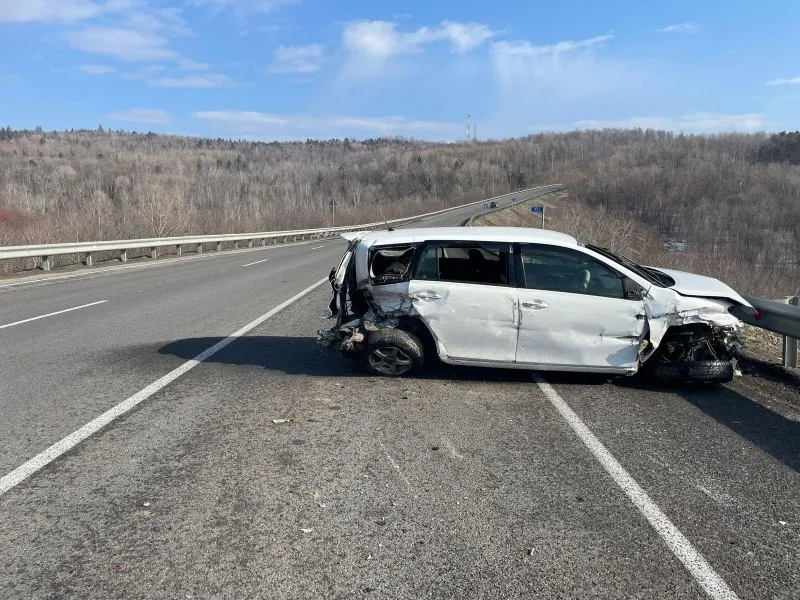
[537,209]
[485,206]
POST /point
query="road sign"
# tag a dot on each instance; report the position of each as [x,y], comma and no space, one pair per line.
[486,206]
[539,210]
[333,204]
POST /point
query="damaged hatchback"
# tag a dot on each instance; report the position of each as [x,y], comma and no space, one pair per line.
[523,298]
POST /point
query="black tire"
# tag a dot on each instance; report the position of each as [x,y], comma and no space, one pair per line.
[709,371]
[393,353]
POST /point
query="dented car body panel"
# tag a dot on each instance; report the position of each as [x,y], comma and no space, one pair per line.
[527,299]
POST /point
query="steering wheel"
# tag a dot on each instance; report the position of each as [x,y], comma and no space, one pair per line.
[580,281]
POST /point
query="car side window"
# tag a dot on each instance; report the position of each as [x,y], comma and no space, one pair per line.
[565,270]
[465,262]
[391,264]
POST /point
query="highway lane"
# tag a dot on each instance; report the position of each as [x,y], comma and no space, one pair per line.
[61,371]
[463,483]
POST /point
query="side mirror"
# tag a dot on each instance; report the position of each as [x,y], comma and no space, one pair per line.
[631,289]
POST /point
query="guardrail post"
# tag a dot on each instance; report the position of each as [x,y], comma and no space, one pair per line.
[123,255]
[46,263]
[263,241]
[87,259]
[179,250]
[219,246]
[250,243]
[790,344]
[285,239]
[236,244]
[153,252]
[199,248]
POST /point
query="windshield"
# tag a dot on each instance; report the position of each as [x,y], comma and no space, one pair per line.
[650,275]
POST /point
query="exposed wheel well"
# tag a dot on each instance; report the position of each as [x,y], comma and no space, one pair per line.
[416,326]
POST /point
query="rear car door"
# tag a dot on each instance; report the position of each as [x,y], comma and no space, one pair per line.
[575,311]
[466,294]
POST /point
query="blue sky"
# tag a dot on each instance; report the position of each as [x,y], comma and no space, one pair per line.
[293,69]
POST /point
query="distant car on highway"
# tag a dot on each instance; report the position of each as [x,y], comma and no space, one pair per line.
[524,298]
[492,204]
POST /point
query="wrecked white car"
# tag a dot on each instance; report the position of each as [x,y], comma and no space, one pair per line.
[525,299]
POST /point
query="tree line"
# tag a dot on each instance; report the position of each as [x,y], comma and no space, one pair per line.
[731,196]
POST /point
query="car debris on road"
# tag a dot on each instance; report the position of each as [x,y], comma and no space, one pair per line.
[523,298]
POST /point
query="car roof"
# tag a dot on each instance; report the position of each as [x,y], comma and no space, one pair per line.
[482,234]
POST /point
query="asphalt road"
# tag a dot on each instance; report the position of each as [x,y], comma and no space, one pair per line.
[463,483]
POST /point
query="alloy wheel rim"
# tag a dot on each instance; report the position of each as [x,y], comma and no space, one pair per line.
[390,361]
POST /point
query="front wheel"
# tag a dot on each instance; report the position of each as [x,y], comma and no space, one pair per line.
[393,352]
[708,371]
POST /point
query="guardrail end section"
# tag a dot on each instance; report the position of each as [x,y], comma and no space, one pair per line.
[790,344]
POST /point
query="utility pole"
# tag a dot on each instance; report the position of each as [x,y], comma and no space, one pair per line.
[469,127]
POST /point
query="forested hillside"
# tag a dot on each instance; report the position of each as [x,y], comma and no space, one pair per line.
[735,197]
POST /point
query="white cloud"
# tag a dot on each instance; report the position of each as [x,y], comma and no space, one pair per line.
[210,80]
[464,37]
[257,124]
[553,82]
[241,7]
[380,39]
[96,69]
[698,122]
[142,115]
[566,70]
[783,81]
[128,45]
[525,49]
[298,59]
[25,11]
[687,27]
[167,21]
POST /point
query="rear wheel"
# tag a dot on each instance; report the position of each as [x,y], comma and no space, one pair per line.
[393,352]
[707,371]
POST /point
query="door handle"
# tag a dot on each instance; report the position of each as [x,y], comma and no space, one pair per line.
[426,295]
[535,304]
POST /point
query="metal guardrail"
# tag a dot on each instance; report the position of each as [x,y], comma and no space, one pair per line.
[543,192]
[47,251]
[780,316]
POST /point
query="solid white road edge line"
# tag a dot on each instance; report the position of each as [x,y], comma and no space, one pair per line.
[44,458]
[703,573]
[255,263]
[52,314]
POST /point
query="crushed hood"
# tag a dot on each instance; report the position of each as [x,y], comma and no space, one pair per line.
[700,286]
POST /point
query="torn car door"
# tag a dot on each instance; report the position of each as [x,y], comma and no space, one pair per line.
[576,312]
